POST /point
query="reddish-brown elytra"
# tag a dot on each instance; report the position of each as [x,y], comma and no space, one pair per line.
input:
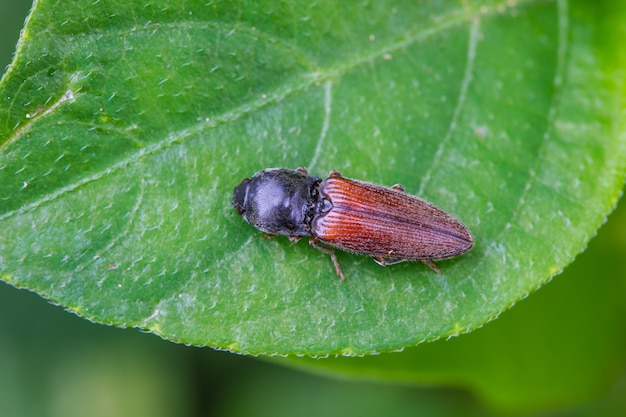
[385,223]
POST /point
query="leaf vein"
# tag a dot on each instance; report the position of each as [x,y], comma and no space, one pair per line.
[327,111]
[474,31]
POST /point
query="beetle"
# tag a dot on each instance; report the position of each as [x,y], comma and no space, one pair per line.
[385,223]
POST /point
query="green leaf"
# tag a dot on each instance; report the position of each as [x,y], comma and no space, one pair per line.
[124,127]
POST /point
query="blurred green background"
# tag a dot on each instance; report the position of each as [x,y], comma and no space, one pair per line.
[53,363]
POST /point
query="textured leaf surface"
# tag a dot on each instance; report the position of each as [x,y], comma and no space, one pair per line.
[124,127]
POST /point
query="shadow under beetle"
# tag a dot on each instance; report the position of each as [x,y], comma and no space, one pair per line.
[385,223]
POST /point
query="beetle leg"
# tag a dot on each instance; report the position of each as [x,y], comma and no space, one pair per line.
[313,241]
[391,261]
[303,170]
[387,261]
[268,235]
[432,266]
[334,174]
[398,187]
[295,238]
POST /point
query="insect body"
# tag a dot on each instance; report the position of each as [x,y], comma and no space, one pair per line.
[385,223]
